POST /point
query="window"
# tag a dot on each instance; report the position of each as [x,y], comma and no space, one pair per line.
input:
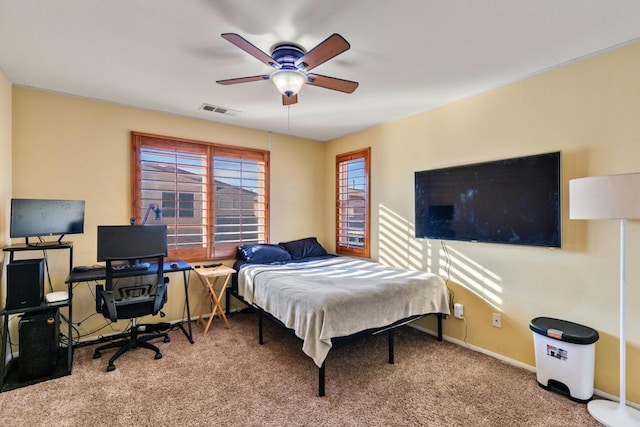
[352,203]
[213,197]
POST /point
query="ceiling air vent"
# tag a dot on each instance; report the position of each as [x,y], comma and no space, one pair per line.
[219,110]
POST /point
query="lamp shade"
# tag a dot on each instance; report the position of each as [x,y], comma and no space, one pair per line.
[605,197]
[288,82]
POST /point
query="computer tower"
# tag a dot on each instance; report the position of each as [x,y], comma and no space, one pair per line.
[25,283]
[38,344]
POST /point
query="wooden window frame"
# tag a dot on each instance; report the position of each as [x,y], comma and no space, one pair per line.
[139,140]
[342,249]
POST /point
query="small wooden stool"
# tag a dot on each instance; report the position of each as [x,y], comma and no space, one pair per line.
[211,278]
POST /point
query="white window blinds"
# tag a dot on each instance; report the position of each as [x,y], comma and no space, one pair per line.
[214,198]
[352,203]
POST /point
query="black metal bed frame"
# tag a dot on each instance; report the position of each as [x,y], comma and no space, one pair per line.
[338,341]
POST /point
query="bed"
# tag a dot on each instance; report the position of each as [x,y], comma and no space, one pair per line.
[327,300]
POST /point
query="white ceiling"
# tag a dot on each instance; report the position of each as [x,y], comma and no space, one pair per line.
[407,55]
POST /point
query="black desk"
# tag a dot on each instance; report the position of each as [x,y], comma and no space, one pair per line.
[99,273]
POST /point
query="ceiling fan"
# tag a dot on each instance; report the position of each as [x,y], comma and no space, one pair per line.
[292,65]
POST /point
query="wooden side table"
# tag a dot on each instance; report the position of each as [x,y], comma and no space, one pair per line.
[212,278]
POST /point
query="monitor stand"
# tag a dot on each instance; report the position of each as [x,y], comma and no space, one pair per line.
[42,243]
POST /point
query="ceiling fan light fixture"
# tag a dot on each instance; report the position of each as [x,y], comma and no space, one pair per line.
[288,82]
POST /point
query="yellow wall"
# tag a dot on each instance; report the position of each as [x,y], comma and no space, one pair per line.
[589,111]
[72,148]
[5,171]
[5,159]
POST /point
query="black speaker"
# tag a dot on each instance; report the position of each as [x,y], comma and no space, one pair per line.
[25,283]
[38,336]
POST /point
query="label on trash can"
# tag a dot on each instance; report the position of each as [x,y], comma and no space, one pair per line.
[554,333]
[556,352]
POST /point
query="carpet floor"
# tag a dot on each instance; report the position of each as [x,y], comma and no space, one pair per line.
[227,379]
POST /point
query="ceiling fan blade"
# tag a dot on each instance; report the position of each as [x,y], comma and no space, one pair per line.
[243,80]
[333,83]
[332,46]
[245,45]
[289,100]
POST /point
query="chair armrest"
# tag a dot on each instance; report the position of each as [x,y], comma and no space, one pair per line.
[161,296]
[99,290]
[109,301]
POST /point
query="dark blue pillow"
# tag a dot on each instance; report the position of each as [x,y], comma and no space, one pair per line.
[262,253]
[304,248]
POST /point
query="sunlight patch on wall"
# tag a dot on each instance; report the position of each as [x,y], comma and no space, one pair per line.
[397,244]
[398,247]
[463,270]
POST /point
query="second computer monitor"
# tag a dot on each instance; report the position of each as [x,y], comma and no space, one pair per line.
[127,241]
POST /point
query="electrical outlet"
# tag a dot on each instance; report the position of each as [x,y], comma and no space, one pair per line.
[458,310]
[496,320]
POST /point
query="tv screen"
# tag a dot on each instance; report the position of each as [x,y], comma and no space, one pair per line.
[43,217]
[115,241]
[512,201]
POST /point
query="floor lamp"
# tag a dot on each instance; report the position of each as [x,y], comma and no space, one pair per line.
[610,197]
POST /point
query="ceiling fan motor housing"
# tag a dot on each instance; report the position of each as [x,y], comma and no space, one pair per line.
[286,55]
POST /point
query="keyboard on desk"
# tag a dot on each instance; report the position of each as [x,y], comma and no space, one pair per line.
[142,266]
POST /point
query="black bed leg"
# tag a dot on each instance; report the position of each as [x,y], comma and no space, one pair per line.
[321,380]
[439,326]
[391,352]
[260,316]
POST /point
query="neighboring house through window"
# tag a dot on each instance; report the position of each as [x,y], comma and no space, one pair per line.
[352,203]
[185,208]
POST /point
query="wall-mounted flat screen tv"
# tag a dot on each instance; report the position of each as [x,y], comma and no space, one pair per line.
[44,217]
[513,201]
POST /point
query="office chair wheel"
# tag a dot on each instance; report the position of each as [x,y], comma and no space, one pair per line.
[166,339]
[111,368]
[158,356]
[97,355]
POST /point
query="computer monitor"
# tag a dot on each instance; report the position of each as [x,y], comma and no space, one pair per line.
[130,241]
[44,217]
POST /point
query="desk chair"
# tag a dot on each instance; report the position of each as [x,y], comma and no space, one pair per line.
[130,293]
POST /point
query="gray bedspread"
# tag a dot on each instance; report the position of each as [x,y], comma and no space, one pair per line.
[341,296]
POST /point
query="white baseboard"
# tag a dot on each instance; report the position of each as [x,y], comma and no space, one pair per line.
[512,362]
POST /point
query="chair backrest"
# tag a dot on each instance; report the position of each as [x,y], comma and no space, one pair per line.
[129,290]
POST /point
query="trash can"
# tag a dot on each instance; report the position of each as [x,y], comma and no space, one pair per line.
[565,357]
